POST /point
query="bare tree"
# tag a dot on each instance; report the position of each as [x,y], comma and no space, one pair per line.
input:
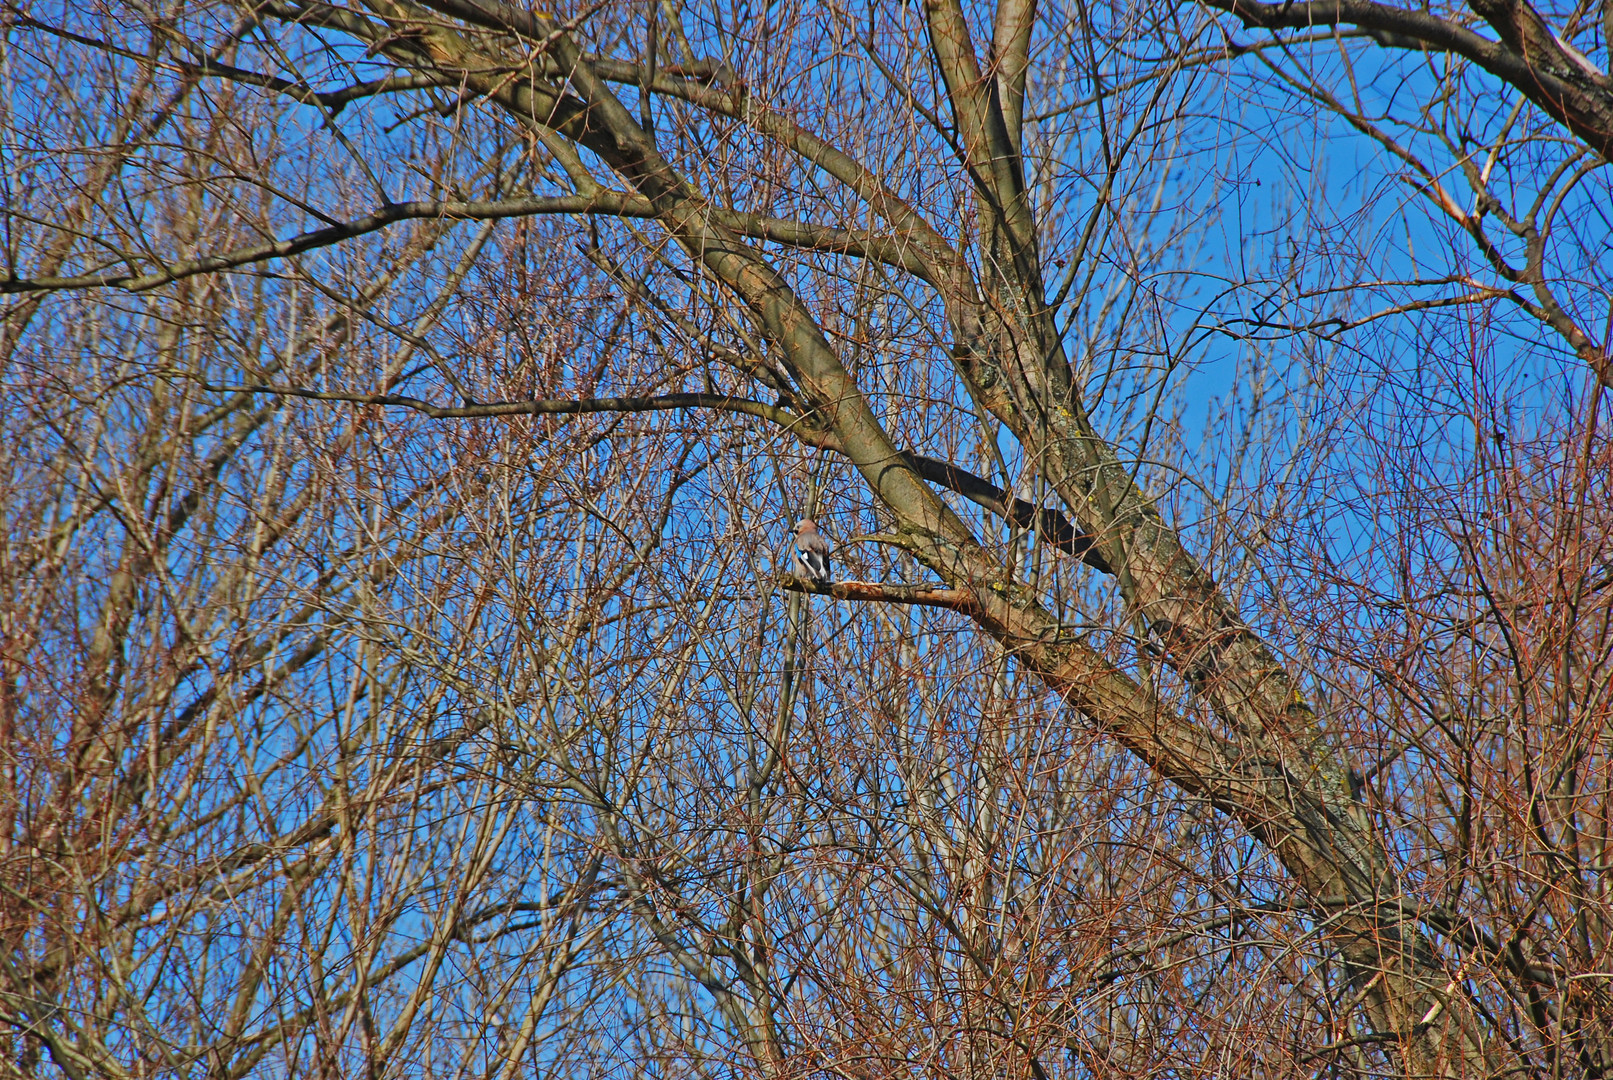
[407,405]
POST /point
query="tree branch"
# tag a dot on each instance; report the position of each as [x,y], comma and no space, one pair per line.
[856,243]
[1052,526]
[1530,57]
[536,407]
[878,591]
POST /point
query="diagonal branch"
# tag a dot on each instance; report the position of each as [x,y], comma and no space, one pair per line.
[1052,526]
[1529,57]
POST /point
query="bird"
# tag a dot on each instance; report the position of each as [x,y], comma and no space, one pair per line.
[812,551]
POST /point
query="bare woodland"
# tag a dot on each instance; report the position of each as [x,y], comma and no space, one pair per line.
[406,405]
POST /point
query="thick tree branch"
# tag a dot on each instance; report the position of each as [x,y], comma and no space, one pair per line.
[1051,526]
[1529,57]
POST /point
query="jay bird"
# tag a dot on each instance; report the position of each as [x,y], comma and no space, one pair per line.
[812,551]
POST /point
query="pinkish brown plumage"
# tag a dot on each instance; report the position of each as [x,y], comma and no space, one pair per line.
[812,551]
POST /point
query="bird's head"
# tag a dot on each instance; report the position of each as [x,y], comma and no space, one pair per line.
[805,525]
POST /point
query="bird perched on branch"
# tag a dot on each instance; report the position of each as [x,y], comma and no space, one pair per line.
[812,551]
